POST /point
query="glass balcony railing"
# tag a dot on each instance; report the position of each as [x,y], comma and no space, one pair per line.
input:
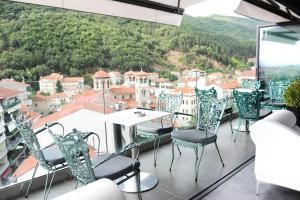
[12,103]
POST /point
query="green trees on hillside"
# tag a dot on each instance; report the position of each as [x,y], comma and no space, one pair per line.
[35,41]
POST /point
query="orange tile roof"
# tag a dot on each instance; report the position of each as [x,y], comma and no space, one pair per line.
[129,73]
[224,84]
[34,115]
[58,95]
[7,93]
[185,90]
[53,76]
[122,90]
[15,82]
[69,109]
[141,73]
[101,74]
[161,80]
[40,98]
[72,79]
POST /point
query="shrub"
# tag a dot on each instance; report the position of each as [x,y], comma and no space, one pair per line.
[292,94]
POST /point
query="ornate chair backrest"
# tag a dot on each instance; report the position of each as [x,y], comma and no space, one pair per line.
[250,84]
[169,102]
[276,90]
[75,151]
[33,144]
[205,94]
[248,104]
[210,114]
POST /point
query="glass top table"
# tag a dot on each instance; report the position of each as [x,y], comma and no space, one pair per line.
[131,118]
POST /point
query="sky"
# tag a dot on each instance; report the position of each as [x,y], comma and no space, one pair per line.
[210,7]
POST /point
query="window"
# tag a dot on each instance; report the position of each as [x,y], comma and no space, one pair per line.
[182,101]
[143,92]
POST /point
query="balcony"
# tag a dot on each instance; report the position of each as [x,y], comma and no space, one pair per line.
[12,105]
[178,184]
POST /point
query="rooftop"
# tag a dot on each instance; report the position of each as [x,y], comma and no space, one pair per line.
[12,81]
[7,93]
[101,74]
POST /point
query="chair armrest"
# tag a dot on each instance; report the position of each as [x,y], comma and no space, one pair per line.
[140,108]
[49,125]
[179,113]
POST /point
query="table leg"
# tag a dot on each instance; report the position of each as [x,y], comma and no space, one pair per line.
[147,180]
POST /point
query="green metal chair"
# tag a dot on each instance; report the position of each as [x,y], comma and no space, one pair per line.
[276,91]
[248,104]
[111,166]
[210,112]
[150,131]
[49,158]
[212,94]
[250,84]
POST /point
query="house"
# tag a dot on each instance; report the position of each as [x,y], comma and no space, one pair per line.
[48,83]
[246,75]
[70,85]
[22,87]
[49,104]
[188,104]
[101,80]
[115,78]
[214,76]
[223,87]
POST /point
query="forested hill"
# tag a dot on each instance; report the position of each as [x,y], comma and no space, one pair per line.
[36,40]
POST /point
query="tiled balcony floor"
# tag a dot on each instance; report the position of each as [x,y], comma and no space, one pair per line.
[180,184]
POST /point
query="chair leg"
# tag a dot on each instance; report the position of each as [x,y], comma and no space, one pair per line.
[238,129]
[76,185]
[172,156]
[46,183]
[219,154]
[198,164]
[138,184]
[156,150]
[231,123]
[29,186]
[178,149]
[50,184]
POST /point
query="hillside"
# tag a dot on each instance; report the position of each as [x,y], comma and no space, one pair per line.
[36,40]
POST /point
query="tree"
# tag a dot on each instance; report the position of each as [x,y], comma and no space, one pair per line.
[59,88]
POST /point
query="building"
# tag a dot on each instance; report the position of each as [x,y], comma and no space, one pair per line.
[215,76]
[70,85]
[48,83]
[4,164]
[11,155]
[124,97]
[49,104]
[101,80]
[187,106]
[223,87]
[22,87]
[246,75]
[115,78]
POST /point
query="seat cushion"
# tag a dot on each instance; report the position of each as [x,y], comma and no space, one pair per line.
[195,136]
[115,167]
[53,155]
[264,113]
[153,127]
